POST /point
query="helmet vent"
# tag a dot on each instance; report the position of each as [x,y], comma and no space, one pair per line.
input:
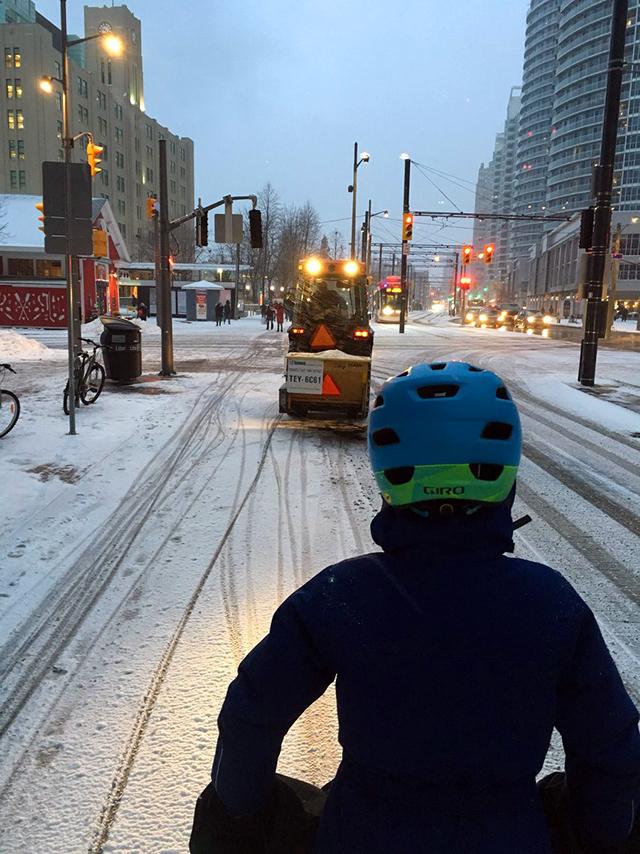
[386,436]
[379,401]
[502,393]
[486,471]
[475,369]
[397,477]
[429,392]
[438,366]
[497,430]
[403,374]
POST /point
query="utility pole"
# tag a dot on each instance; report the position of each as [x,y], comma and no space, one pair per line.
[354,191]
[603,186]
[405,247]
[166,319]
[364,235]
[455,281]
[380,264]
[234,295]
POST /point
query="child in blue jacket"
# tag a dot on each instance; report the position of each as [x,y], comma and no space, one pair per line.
[453,663]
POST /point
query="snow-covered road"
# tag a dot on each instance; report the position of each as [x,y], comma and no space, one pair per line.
[142,560]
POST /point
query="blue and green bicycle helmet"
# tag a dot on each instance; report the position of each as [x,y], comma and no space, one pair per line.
[444,432]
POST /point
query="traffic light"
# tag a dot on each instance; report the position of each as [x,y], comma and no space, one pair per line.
[93,157]
[407,226]
[467,253]
[40,207]
[585,240]
[202,229]
[488,253]
[255,228]
[465,283]
[151,207]
[100,243]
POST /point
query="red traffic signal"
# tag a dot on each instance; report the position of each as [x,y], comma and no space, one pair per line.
[488,253]
[465,283]
[467,254]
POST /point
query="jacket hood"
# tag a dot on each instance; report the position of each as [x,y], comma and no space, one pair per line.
[487,533]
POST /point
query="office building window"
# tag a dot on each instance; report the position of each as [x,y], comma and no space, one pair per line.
[59,101]
[123,229]
[9,88]
[120,183]
[149,152]
[102,126]
[109,81]
[117,111]
[138,191]
[104,176]
[183,192]
[183,209]
[18,86]
[13,179]
[57,68]
[17,58]
[11,120]
[22,179]
[172,186]
[138,211]
[172,167]
[82,87]
[136,145]
[103,76]
[183,172]
[83,115]
[119,133]
[172,146]
[119,159]
[8,57]
[21,149]
[172,206]
[101,98]
[12,149]
[149,131]
[121,207]
[182,154]
[60,154]
[149,174]
[105,152]
[59,131]
[19,119]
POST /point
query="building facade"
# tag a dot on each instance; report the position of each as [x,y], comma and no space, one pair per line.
[106,99]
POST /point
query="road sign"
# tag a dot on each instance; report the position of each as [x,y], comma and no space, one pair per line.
[405,248]
[228,235]
[304,376]
[54,187]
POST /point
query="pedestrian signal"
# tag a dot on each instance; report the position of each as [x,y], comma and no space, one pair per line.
[93,157]
[407,226]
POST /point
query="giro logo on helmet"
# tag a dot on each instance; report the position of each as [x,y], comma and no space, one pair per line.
[444,490]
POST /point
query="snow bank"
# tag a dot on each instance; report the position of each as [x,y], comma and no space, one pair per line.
[95,328]
[18,348]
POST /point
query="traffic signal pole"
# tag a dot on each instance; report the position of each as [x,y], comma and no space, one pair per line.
[405,247]
[166,314]
[603,187]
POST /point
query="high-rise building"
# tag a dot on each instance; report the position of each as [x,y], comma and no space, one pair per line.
[584,32]
[534,132]
[494,194]
[107,99]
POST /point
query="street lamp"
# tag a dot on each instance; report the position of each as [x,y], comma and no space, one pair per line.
[353,188]
[114,47]
[220,271]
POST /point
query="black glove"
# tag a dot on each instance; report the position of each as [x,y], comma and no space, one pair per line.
[216,832]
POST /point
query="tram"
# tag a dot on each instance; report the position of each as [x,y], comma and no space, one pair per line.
[328,366]
[388,300]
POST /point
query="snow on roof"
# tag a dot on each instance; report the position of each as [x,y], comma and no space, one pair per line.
[19,222]
[204,285]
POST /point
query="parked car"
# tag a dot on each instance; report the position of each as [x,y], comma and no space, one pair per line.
[532,322]
[471,315]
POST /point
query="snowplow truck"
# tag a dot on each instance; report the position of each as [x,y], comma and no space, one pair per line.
[328,366]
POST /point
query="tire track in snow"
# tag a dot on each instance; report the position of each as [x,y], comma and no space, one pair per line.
[27,656]
[121,777]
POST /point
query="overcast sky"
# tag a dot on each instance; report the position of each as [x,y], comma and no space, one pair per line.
[279,90]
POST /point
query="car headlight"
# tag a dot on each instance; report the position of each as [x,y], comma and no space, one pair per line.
[387,310]
[547,319]
[482,318]
[531,319]
[503,314]
[469,315]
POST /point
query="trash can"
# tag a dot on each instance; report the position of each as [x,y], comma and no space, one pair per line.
[123,353]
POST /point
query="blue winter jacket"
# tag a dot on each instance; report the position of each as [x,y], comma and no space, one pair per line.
[453,663]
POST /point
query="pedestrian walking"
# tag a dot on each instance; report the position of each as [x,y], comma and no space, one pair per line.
[270,315]
[227,312]
[142,311]
[219,312]
[279,309]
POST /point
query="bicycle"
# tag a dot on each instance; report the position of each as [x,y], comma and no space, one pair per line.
[9,405]
[88,375]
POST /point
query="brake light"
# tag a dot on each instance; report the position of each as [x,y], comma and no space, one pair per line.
[297,330]
[361,333]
